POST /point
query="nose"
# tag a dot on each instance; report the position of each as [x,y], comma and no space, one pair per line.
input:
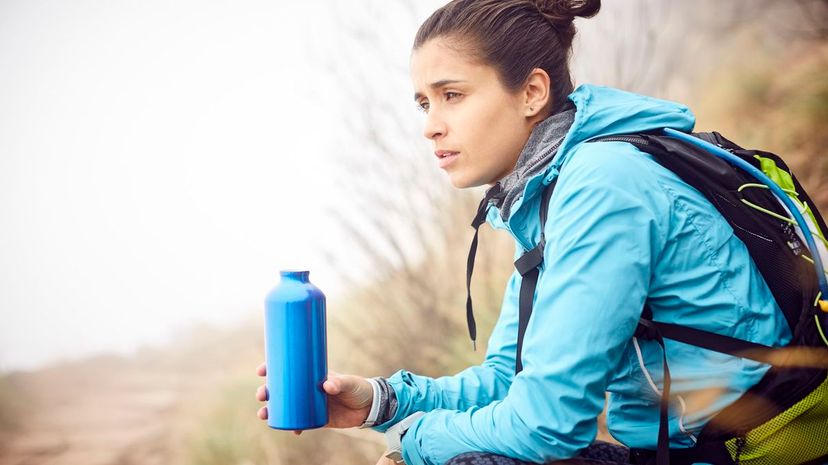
[435,127]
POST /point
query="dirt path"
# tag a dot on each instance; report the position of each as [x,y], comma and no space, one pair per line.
[100,412]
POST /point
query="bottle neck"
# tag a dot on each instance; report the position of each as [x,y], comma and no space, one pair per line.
[295,275]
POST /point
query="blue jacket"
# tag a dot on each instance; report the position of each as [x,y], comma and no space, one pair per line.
[621,229]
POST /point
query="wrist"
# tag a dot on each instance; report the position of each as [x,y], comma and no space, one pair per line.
[373,412]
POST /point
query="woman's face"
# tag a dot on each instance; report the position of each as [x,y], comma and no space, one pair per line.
[478,128]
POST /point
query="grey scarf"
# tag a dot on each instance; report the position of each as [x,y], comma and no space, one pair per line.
[536,155]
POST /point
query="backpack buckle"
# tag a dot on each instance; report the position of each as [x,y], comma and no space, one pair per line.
[530,260]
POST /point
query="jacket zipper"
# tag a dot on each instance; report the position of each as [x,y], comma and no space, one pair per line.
[628,139]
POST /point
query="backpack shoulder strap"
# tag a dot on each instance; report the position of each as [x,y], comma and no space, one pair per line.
[528,266]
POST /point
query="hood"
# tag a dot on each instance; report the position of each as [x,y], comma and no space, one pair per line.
[601,111]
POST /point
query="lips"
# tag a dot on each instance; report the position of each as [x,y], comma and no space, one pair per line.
[446,157]
[444,153]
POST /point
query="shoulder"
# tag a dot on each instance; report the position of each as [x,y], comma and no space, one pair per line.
[618,163]
[612,182]
[617,172]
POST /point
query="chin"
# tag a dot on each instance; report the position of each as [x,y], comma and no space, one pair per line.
[465,182]
[461,182]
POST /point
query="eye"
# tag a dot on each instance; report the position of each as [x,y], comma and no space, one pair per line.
[423,105]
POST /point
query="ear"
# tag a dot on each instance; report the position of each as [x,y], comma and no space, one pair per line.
[536,93]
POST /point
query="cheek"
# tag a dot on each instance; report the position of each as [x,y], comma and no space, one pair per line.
[498,133]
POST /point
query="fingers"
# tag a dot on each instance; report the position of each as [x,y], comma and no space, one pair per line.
[262,394]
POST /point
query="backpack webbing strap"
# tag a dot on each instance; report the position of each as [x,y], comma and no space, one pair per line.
[663,448]
[801,356]
[528,266]
[527,293]
[478,220]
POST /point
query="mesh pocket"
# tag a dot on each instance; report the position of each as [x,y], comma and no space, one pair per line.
[795,436]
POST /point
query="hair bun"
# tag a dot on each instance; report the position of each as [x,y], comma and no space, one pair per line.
[563,12]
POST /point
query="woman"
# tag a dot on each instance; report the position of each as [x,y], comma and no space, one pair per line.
[493,78]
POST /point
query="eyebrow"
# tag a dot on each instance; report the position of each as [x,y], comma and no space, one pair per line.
[437,85]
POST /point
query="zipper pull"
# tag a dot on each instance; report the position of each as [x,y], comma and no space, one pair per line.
[740,444]
[793,239]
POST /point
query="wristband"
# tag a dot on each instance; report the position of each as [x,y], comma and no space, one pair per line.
[371,420]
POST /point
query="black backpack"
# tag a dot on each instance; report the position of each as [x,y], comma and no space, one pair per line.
[791,426]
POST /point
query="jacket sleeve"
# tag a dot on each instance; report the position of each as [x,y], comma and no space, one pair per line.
[605,226]
[474,386]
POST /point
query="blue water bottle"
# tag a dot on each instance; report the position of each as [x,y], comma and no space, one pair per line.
[296,354]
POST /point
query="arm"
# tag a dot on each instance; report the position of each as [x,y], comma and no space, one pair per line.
[475,386]
[603,233]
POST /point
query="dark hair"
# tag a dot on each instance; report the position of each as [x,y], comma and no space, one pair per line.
[514,37]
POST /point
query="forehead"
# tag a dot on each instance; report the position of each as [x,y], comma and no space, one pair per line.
[436,60]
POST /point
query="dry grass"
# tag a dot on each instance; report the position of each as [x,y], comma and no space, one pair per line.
[776,100]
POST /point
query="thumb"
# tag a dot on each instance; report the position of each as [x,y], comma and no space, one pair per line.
[333,385]
[348,385]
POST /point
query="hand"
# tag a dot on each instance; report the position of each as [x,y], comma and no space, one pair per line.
[386,461]
[349,399]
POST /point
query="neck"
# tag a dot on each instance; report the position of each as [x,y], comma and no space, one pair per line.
[537,154]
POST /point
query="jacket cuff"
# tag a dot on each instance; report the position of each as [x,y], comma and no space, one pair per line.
[394,410]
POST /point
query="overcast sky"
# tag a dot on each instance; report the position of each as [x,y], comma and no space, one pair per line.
[160,162]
